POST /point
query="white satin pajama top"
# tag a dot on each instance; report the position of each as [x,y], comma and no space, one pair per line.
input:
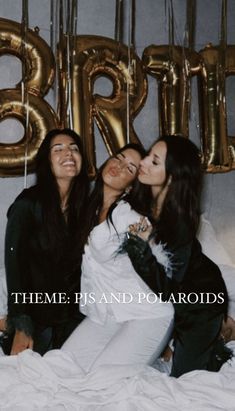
[109,283]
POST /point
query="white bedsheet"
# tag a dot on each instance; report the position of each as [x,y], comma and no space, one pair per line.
[30,382]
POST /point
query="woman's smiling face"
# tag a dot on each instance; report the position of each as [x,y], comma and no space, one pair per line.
[65,158]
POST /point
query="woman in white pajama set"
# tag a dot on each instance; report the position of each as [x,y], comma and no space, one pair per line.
[126,323]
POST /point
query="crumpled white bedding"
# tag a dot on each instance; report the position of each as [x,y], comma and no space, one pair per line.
[30,382]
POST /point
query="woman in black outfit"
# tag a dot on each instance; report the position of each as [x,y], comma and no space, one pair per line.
[173,170]
[42,253]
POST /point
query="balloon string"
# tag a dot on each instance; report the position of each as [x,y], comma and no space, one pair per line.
[118,35]
[74,28]
[58,61]
[61,21]
[69,102]
[189,40]
[74,17]
[54,39]
[171,24]
[52,24]
[24,91]
[61,104]
[222,50]
[71,33]
[223,32]
[68,14]
[171,32]
[52,36]
[26,144]
[130,45]
[132,29]
[67,30]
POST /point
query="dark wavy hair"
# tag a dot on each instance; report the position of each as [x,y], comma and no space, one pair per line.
[139,197]
[182,201]
[58,232]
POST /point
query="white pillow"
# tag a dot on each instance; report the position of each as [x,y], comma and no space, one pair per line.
[3,293]
[228,273]
[210,245]
[217,253]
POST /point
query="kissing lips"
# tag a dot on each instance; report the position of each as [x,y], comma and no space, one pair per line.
[113,172]
[141,171]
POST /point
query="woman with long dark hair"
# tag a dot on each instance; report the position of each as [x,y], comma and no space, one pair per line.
[194,284]
[124,324]
[42,253]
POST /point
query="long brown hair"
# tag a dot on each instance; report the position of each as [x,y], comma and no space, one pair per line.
[139,197]
[49,196]
[182,201]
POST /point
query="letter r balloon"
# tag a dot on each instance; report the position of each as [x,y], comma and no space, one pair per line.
[98,56]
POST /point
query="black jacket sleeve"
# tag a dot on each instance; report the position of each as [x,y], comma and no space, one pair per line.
[18,231]
[189,270]
[145,263]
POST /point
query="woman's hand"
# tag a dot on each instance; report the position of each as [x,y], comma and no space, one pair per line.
[21,342]
[142,229]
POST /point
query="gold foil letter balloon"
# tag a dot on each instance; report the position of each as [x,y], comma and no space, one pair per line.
[95,57]
[218,149]
[34,113]
[172,66]
[41,119]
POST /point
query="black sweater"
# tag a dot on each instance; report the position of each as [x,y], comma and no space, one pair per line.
[33,267]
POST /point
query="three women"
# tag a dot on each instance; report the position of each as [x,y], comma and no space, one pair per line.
[135,331]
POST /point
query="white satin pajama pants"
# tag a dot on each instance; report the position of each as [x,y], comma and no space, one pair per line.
[130,342]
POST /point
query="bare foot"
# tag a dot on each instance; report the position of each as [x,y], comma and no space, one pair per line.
[167,354]
[228,329]
[3,324]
